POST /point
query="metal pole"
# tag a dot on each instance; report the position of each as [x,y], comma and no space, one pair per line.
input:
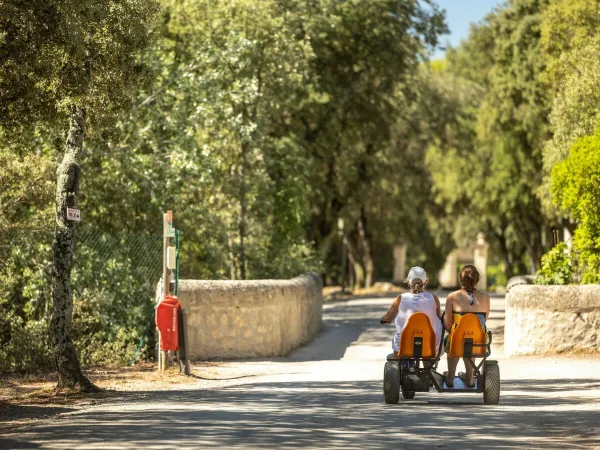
[162,357]
[177,262]
[165,246]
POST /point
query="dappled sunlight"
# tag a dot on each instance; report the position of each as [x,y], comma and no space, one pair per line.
[329,394]
[338,414]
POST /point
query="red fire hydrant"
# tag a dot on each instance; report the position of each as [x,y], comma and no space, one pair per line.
[168,323]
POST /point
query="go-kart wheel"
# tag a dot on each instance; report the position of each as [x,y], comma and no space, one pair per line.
[408,395]
[491,380]
[391,382]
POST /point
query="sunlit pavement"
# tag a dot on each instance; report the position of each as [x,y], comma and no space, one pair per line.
[329,394]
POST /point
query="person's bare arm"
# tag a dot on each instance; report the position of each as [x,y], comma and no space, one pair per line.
[392,312]
[438,308]
[448,313]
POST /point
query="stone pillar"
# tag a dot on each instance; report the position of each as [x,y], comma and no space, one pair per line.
[568,239]
[448,276]
[480,255]
[399,263]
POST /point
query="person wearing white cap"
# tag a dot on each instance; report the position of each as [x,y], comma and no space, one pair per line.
[416,300]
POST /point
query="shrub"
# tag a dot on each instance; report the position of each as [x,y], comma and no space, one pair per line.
[556,266]
[576,188]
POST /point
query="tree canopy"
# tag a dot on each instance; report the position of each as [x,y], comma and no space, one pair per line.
[283,134]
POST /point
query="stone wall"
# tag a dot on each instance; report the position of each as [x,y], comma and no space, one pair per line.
[243,319]
[552,319]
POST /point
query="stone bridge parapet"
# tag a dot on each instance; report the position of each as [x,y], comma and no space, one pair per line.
[552,319]
[244,319]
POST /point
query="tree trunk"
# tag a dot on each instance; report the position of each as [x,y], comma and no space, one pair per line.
[506,257]
[67,185]
[356,272]
[365,239]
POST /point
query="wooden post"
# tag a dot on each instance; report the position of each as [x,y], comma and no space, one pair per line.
[163,360]
[166,240]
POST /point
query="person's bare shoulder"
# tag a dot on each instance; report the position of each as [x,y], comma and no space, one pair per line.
[451,296]
[450,300]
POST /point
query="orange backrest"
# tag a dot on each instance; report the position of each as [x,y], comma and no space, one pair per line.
[417,337]
[469,327]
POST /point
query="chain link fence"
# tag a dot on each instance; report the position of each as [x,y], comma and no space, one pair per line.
[114,279]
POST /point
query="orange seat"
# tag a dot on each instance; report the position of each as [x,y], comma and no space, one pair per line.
[470,331]
[418,338]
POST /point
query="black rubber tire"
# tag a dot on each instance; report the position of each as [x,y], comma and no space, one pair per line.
[408,395]
[491,380]
[391,382]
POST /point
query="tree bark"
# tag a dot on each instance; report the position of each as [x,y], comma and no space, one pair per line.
[506,256]
[355,267]
[365,239]
[67,186]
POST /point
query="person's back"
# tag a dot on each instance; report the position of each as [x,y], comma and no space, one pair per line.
[411,303]
[417,300]
[464,301]
[475,302]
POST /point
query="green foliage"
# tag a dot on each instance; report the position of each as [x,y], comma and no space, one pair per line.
[113,290]
[496,276]
[486,162]
[25,345]
[557,267]
[26,190]
[259,123]
[570,40]
[58,53]
[576,187]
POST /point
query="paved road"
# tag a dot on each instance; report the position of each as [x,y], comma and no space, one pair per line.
[329,395]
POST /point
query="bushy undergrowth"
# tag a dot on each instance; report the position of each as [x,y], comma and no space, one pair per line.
[113,289]
[557,267]
[576,187]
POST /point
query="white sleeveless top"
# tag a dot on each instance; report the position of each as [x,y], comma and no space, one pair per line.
[410,304]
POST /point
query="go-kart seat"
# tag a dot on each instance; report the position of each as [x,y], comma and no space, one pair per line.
[418,338]
[468,338]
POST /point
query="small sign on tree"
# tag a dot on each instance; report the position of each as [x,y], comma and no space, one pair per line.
[73,214]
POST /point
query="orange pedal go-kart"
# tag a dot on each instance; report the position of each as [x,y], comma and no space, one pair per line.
[414,367]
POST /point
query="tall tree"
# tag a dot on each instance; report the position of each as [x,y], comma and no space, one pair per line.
[71,62]
[366,53]
[501,171]
[570,40]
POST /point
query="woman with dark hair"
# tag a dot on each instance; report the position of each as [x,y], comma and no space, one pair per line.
[466,300]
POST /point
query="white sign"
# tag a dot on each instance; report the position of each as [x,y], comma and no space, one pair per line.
[170,231]
[171,258]
[73,214]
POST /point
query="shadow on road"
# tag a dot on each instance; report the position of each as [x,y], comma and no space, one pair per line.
[22,412]
[344,323]
[330,414]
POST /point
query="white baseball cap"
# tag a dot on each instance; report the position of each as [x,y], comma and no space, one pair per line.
[416,272]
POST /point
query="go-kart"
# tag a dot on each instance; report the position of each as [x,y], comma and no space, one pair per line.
[414,367]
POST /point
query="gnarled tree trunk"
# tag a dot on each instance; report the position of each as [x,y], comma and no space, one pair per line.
[67,185]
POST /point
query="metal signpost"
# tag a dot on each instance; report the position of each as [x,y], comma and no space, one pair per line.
[171,269]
